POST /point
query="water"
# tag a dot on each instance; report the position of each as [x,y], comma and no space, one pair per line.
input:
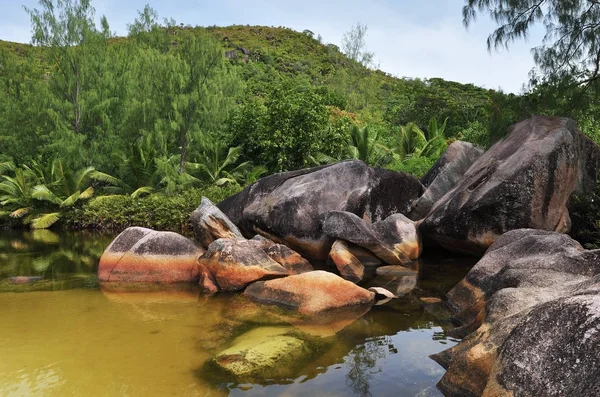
[65,336]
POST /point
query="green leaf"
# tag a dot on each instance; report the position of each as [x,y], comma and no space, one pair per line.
[45,221]
[42,193]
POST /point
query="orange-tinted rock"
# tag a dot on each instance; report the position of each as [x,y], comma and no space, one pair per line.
[236,263]
[395,240]
[210,223]
[346,262]
[140,255]
[285,256]
[310,293]
[208,285]
[529,310]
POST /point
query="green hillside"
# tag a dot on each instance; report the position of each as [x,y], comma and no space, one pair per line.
[169,109]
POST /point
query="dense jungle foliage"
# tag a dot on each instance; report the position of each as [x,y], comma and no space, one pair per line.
[92,124]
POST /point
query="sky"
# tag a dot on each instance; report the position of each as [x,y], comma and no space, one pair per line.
[410,38]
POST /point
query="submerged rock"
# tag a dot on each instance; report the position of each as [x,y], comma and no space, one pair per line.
[145,255]
[523,181]
[310,293]
[234,264]
[210,223]
[444,175]
[264,353]
[286,207]
[394,240]
[530,311]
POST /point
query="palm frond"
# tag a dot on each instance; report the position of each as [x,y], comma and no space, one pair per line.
[141,191]
[87,193]
[45,221]
[42,193]
[7,166]
[18,213]
[106,178]
[72,199]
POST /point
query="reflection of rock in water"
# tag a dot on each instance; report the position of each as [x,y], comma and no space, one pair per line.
[397,279]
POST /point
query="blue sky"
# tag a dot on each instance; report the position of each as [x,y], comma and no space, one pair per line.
[411,38]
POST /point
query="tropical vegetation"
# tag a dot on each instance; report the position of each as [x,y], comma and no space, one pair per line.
[93,125]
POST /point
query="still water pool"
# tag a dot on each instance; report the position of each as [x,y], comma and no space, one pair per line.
[62,335]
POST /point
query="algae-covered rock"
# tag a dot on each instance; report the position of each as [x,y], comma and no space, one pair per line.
[264,353]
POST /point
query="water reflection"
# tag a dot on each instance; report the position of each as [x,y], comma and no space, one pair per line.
[45,260]
[159,342]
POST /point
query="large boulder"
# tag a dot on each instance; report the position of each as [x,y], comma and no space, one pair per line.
[530,313]
[234,264]
[145,255]
[395,240]
[286,207]
[210,224]
[523,181]
[310,294]
[444,175]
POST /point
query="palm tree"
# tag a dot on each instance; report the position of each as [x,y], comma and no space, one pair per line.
[414,142]
[362,146]
[216,163]
[37,194]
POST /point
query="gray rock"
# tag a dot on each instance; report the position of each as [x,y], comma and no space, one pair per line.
[394,240]
[523,181]
[530,312]
[286,207]
[444,175]
[234,264]
[145,255]
[210,224]
[285,256]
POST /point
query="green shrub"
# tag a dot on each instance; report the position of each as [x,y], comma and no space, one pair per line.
[155,211]
[416,166]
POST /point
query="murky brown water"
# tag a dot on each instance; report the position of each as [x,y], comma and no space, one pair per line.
[67,337]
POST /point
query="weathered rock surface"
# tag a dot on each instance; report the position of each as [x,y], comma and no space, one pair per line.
[144,255]
[444,175]
[210,224]
[234,264]
[347,263]
[531,310]
[285,256]
[286,207]
[311,293]
[394,240]
[263,353]
[523,181]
